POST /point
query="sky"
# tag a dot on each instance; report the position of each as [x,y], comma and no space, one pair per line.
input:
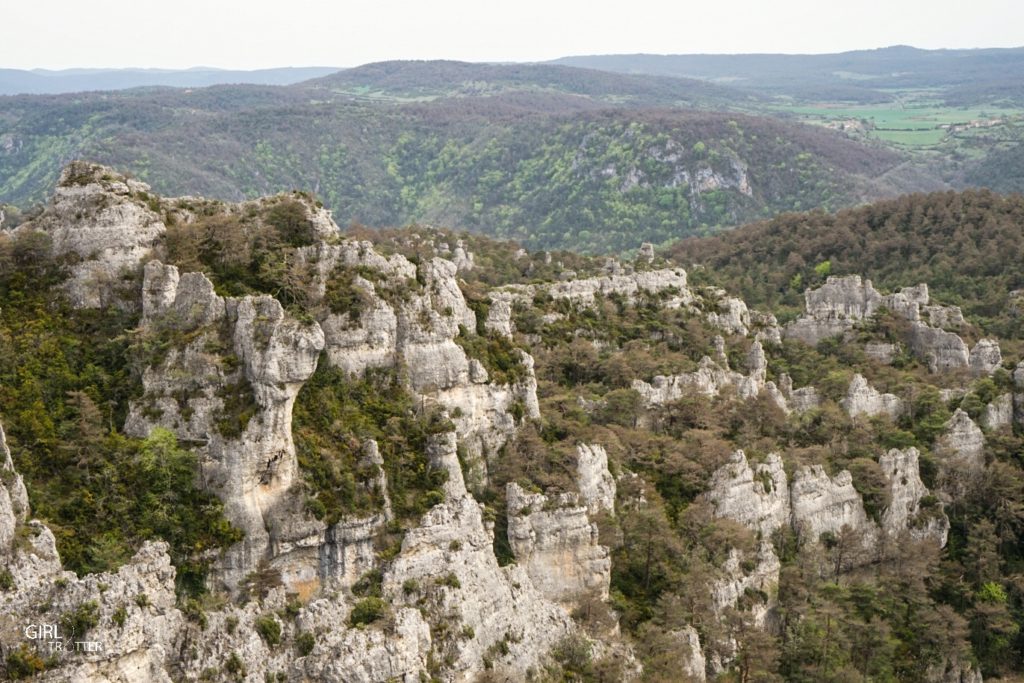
[254,34]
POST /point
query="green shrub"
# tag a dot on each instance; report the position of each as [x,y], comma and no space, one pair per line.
[269,629]
[369,584]
[450,580]
[81,619]
[367,611]
[304,643]
[291,220]
[234,666]
[6,579]
[24,663]
[239,407]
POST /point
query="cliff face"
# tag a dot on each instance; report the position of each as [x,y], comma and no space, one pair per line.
[244,352]
[814,506]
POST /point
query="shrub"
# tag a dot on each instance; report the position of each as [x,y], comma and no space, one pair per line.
[369,584]
[80,620]
[291,221]
[234,666]
[305,642]
[367,611]
[269,629]
[24,663]
[6,579]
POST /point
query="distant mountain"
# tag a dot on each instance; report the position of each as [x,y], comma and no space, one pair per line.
[42,81]
[427,80]
[857,75]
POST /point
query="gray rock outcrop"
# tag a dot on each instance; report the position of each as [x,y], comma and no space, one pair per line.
[102,218]
[554,539]
[963,442]
[999,413]
[906,493]
[251,465]
[499,604]
[985,357]
[595,483]
[840,304]
[823,504]
[863,399]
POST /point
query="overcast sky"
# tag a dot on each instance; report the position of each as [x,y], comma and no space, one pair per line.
[256,33]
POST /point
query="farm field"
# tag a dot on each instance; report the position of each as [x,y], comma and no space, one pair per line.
[907,125]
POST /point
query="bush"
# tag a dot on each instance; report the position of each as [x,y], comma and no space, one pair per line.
[367,611]
[269,629]
[6,579]
[291,221]
[305,642]
[234,666]
[80,620]
[369,584]
[24,663]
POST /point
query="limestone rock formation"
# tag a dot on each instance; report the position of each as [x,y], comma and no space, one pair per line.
[581,292]
[13,497]
[448,559]
[102,218]
[941,350]
[694,664]
[863,399]
[906,493]
[710,379]
[731,315]
[883,352]
[757,497]
[943,316]
[596,484]
[823,504]
[554,539]
[410,318]
[251,464]
[841,303]
[985,357]
[963,443]
[999,413]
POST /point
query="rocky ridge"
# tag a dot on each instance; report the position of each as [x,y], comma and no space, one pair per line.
[225,385]
[836,307]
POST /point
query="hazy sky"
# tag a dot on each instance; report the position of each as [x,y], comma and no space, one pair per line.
[256,33]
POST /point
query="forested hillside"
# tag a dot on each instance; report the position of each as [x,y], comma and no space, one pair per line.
[551,167]
[968,247]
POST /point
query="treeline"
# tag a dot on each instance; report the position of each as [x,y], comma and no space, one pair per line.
[968,247]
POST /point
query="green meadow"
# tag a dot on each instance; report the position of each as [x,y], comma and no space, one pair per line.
[907,125]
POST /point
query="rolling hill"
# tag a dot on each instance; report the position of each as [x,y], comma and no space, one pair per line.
[558,157]
[861,75]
